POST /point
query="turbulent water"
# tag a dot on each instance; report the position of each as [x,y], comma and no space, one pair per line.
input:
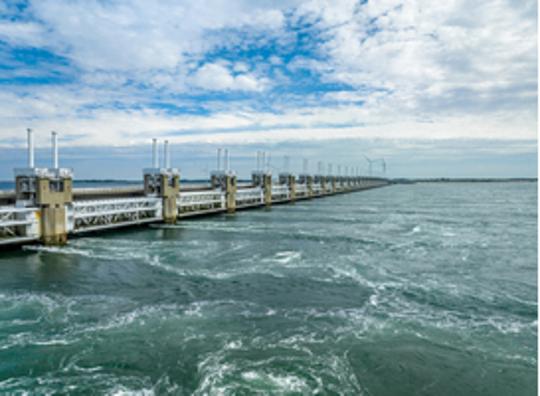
[426,289]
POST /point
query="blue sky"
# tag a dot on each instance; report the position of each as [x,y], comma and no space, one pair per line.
[436,89]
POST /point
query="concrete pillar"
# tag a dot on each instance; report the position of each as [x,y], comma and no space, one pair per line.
[322,180]
[52,195]
[290,181]
[333,182]
[292,187]
[164,183]
[267,189]
[230,193]
[53,225]
[309,184]
[170,188]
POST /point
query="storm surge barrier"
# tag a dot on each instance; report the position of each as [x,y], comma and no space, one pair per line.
[46,208]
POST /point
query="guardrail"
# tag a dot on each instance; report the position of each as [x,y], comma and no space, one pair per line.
[316,188]
[249,196]
[101,214]
[280,192]
[191,201]
[301,190]
[18,224]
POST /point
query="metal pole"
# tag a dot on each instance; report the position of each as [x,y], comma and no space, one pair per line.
[258,161]
[54,137]
[166,154]
[219,159]
[30,136]
[263,160]
[330,169]
[305,166]
[268,162]
[154,153]
[226,160]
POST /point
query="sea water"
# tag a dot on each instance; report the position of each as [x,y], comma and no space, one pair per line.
[422,289]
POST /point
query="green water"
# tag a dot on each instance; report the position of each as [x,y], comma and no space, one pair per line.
[425,289]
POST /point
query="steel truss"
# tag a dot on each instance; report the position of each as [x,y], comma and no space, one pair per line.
[101,214]
[192,201]
[316,188]
[301,190]
[249,196]
[18,224]
[280,192]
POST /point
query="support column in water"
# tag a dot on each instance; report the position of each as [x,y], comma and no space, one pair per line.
[309,184]
[267,188]
[47,189]
[333,184]
[170,189]
[289,180]
[163,182]
[230,192]
[53,193]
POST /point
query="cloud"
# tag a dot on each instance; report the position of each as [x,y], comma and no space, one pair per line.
[144,34]
[22,33]
[447,57]
[270,71]
[217,77]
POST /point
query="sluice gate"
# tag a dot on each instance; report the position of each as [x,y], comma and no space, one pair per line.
[45,208]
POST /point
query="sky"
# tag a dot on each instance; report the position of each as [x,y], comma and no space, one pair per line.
[437,89]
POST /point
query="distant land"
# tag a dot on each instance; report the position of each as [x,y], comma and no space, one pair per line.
[82,183]
[463,180]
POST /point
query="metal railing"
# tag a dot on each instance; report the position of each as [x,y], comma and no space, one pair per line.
[18,224]
[102,214]
[191,201]
[249,196]
[280,191]
[301,190]
[316,188]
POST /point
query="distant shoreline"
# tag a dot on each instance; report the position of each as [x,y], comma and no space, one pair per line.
[465,180]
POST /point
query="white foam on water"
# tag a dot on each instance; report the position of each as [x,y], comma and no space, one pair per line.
[68,251]
[124,391]
[287,257]
[155,261]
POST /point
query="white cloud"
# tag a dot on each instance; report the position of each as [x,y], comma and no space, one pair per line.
[422,70]
[430,53]
[22,33]
[217,77]
[144,34]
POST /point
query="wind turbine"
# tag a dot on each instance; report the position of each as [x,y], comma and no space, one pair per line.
[370,162]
